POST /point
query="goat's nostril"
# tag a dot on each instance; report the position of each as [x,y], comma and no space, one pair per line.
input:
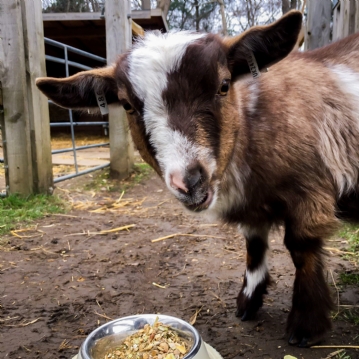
[194,176]
[176,182]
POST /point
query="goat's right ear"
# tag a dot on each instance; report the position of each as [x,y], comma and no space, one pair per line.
[79,91]
[268,44]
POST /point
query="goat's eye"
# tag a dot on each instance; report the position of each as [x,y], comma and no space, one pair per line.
[224,88]
[128,108]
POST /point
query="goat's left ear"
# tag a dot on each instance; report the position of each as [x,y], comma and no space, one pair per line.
[79,91]
[269,44]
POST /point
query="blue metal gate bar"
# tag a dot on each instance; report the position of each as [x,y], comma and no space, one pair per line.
[65,124]
[80,148]
[73,175]
[75,50]
[65,61]
[70,63]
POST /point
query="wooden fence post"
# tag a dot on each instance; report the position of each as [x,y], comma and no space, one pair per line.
[345,19]
[16,131]
[38,104]
[118,40]
[25,119]
[318,23]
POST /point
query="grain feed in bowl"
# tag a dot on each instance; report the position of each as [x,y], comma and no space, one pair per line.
[158,341]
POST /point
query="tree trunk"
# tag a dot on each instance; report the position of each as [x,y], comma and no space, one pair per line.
[293,4]
[224,21]
[197,15]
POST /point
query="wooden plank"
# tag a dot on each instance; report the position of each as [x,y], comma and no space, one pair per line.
[146,4]
[345,10]
[336,22]
[356,26]
[71,16]
[38,109]
[118,40]
[82,16]
[16,129]
[352,15]
[318,23]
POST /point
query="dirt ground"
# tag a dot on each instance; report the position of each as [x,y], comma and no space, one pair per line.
[61,283]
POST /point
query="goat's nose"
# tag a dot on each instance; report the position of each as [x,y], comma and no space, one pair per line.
[176,182]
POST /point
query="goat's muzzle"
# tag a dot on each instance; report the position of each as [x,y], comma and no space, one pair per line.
[192,189]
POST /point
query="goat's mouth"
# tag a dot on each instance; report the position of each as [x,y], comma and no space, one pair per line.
[203,204]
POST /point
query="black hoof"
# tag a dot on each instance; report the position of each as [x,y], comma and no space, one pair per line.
[247,315]
[304,343]
[293,340]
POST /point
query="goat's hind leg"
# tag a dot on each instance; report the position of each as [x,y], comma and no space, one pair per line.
[309,318]
[256,278]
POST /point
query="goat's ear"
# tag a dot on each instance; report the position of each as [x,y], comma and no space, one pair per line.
[269,44]
[79,91]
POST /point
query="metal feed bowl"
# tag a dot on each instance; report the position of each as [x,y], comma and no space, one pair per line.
[109,335]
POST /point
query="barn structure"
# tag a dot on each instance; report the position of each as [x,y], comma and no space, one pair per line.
[25,36]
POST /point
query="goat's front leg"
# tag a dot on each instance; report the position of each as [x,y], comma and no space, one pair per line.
[256,278]
[309,318]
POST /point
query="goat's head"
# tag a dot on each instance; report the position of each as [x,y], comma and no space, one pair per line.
[176,90]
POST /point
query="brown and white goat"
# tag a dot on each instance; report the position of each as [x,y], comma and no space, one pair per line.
[278,149]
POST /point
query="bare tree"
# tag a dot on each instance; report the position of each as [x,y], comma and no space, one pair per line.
[290,5]
[247,13]
[223,16]
[285,6]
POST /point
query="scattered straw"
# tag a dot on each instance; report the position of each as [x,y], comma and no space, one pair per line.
[103,316]
[331,355]
[65,345]
[16,232]
[64,215]
[218,298]
[159,286]
[331,249]
[336,288]
[23,323]
[105,231]
[184,235]
[193,319]
[334,347]
[116,229]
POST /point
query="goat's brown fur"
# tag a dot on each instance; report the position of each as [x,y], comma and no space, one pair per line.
[279,149]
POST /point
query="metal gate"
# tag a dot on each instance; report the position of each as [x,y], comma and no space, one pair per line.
[71,123]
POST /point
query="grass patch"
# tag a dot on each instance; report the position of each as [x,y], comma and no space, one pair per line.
[342,355]
[16,210]
[351,315]
[350,233]
[141,172]
[349,278]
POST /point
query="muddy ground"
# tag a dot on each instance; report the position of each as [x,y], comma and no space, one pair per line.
[60,284]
